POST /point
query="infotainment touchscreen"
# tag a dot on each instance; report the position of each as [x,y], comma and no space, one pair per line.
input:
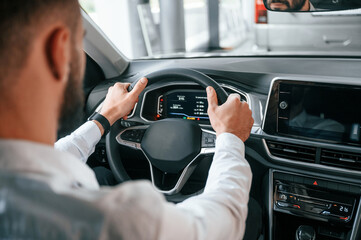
[186,104]
[320,112]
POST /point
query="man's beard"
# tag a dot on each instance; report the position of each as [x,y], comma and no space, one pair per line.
[71,112]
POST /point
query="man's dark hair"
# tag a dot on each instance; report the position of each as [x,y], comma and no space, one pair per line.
[20,21]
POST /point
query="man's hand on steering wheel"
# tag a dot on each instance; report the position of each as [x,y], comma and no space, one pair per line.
[233,116]
[119,102]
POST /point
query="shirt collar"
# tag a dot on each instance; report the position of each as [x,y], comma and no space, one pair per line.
[60,170]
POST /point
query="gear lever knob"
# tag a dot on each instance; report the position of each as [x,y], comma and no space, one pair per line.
[305,232]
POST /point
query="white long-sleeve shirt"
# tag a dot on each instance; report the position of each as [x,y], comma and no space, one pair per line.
[81,143]
[135,210]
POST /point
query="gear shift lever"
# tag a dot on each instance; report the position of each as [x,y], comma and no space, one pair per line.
[304,232]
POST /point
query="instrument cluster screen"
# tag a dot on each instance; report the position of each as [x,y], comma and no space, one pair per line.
[185,104]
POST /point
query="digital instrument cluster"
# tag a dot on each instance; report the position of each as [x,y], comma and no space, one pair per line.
[179,101]
[185,104]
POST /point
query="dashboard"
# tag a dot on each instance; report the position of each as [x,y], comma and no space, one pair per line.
[305,144]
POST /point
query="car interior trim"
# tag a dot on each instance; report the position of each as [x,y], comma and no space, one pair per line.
[313,143]
[270,204]
[109,58]
[356,224]
[312,165]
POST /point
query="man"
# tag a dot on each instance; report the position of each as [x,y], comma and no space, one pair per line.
[48,194]
[290,5]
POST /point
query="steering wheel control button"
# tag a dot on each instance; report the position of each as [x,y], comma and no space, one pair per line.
[127,124]
[208,140]
[133,135]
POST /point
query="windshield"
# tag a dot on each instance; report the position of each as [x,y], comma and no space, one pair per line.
[201,28]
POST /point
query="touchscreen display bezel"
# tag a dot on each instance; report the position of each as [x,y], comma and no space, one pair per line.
[275,126]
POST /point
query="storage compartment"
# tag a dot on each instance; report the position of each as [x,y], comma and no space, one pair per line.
[286,225]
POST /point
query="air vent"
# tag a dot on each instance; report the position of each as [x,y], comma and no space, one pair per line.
[292,151]
[341,159]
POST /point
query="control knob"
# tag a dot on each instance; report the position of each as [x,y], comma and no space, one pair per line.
[283,105]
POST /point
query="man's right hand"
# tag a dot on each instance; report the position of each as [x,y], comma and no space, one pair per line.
[233,116]
[119,102]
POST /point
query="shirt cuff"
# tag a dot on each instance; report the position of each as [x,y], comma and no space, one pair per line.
[90,132]
[229,140]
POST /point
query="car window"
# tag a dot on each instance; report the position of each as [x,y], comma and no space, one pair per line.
[197,28]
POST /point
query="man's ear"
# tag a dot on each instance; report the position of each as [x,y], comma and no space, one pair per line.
[58,46]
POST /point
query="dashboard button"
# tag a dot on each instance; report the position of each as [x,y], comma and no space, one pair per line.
[283,204]
[283,105]
[326,213]
[283,196]
[296,206]
[281,187]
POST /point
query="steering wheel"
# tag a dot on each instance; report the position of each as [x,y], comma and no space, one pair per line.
[171,146]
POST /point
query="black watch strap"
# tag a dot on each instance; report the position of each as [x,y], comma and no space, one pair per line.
[102,120]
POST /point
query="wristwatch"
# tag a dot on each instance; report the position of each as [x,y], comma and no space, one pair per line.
[102,120]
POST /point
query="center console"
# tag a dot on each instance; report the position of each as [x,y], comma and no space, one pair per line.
[329,207]
[314,126]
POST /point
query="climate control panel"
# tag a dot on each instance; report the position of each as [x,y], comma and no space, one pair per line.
[311,197]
